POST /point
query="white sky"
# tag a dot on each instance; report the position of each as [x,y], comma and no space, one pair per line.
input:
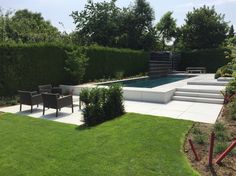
[59,10]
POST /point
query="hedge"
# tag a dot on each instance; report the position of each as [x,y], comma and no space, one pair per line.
[27,66]
[212,59]
[107,62]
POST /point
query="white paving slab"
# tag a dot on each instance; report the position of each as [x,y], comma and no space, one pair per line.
[64,116]
[198,112]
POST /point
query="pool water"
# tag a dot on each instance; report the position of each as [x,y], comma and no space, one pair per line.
[150,83]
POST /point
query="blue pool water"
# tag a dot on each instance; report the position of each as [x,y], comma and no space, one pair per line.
[150,83]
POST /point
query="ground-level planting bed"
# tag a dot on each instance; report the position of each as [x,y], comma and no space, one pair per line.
[225,133]
[130,145]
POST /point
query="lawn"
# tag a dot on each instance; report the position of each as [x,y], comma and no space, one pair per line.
[130,145]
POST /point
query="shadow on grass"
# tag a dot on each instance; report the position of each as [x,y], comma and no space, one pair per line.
[83,127]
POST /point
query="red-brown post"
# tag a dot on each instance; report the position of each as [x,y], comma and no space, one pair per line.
[193,149]
[212,139]
[223,155]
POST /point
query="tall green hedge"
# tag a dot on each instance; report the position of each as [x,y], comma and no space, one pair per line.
[107,62]
[212,59]
[27,66]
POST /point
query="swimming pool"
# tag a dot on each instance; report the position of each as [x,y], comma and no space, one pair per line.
[150,83]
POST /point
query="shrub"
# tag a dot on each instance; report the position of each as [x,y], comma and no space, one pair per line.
[76,64]
[220,132]
[6,101]
[232,109]
[220,147]
[221,136]
[219,127]
[113,105]
[196,130]
[231,88]
[218,73]
[225,71]
[199,138]
[102,104]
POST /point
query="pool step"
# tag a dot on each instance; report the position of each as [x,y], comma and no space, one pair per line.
[208,83]
[208,94]
[201,95]
[198,99]
[226,79]
[198,90]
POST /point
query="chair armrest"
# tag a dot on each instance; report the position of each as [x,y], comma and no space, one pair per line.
[37,99]
[65,101]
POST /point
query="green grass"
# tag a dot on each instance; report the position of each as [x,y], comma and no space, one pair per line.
[131,145]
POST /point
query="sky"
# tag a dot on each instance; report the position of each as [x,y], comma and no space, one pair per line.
[58,11]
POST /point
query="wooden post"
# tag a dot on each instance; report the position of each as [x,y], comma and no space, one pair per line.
[223,155]
[193,149]
[212,139]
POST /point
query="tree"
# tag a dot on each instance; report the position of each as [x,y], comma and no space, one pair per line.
[166,28]
[231,32]
[138,26]
[97,23]
[76,65]
[105,24]
[4,23]
[28,27]
[204,28]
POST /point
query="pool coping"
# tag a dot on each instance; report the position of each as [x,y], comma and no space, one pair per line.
[159,94]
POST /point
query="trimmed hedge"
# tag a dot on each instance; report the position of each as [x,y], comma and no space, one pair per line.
[212,59]
[102,104]
[107,62]
[27,66]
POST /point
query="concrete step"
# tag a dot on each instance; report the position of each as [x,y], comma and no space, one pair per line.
[226,79]
[214,91]
[208,83]
[200,95]
[197,99]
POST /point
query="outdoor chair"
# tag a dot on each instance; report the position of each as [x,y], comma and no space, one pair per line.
[29,98]
[54,101]
[49,89]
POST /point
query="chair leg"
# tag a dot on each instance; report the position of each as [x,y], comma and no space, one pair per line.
[43,110]
[31,109]
[72,107]
[79,104]
[56,112]
[20,107]
[37,105]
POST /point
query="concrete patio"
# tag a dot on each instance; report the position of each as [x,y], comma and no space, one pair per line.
[197,99]
[198,112]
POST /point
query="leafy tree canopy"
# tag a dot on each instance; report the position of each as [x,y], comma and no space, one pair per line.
[231,32]
[106,24]
[204,28]
[24,26]
[166,28]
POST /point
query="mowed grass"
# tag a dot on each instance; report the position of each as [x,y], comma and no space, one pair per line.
[130,145]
